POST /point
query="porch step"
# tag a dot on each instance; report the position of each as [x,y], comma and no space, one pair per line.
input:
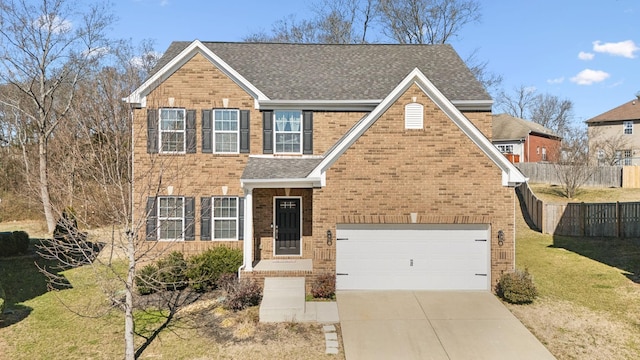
[283,299]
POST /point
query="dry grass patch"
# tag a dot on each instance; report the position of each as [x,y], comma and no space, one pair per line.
[554,194]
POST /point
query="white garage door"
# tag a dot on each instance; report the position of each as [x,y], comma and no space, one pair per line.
[412,257]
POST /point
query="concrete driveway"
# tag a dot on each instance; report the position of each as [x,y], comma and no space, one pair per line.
[432,325]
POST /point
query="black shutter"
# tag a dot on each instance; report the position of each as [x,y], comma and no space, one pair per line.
[207,128]
[307,132]
[191,132]
[241,218]
[267,132]
[189,218]
[152,219]
[244,131]
[152,131]
[205,218]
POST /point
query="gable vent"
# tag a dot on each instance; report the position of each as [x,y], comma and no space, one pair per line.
[413,116]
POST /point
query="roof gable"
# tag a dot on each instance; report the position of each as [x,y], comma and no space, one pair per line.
[510,174]
[322,72]
[174,61]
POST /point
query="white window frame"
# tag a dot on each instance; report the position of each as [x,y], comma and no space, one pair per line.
[236,131]
[505,148]
[276,132]
[544,153]
[225,218]
[170,218]
[627,156]
[182,131]
[627,128]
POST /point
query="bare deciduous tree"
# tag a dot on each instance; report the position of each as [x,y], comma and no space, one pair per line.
[573,167]
[426,21]
[47,48]
[545,109]
[607,148]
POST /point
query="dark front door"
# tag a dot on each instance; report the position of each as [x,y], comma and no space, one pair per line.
[287,229]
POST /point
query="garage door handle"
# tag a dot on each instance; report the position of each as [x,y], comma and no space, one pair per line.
[342,274]
[341,239]
[481,274]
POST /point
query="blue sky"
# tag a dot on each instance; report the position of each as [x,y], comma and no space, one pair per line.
[586,51]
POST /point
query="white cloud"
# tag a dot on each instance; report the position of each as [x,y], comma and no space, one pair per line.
[143,61]
[96,52]
[559,80]
[585,55]
[623,48]
[588,77]
[54,22]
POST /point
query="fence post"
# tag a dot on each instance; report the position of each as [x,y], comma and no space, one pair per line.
[618,220]
[583,219]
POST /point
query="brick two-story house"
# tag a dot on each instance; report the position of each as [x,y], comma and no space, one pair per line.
[369,162]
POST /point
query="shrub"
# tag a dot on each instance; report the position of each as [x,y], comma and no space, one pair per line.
[13,243]
[244,294]
[172,271]
[227,282]
[147,280]
[517,287]
[324,287]
[206,268]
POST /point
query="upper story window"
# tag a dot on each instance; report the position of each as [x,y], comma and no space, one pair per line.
[171,218]
[628,127]
[544,154]
[288,131]
[226,130]
[505,149]
[172,130]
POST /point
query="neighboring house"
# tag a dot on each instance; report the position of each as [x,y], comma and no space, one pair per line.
[614,136]
[370,162]
[524,141]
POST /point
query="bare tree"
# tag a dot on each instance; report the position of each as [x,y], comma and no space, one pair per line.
[573,167]
[607,148]
[545,109]
[479,68]
[47,48]
[427,21]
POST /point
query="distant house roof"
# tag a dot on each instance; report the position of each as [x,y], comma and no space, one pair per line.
[507,127]
[627,111]
[340,72]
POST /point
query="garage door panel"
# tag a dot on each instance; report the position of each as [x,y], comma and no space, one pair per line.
[410,256]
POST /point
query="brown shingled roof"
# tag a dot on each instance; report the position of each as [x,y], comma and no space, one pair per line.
[627,111]
[507,127]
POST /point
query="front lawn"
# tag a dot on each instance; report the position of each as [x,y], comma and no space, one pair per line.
[589,305]
[80,323]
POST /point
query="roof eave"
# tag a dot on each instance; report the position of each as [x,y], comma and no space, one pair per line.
[327,105]
[308,182]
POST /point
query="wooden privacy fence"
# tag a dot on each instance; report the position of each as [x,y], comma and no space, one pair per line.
[606,176]
[631,177]
[583,219]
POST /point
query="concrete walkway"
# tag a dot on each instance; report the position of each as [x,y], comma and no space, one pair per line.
[283,300]
[432,325]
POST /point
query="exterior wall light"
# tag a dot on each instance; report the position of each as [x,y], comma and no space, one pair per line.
[329,237]
[500,237]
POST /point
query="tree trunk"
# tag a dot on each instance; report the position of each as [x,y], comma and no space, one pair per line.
[130,350]
[44,184]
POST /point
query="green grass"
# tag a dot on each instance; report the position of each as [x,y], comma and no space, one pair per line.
[598,274]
